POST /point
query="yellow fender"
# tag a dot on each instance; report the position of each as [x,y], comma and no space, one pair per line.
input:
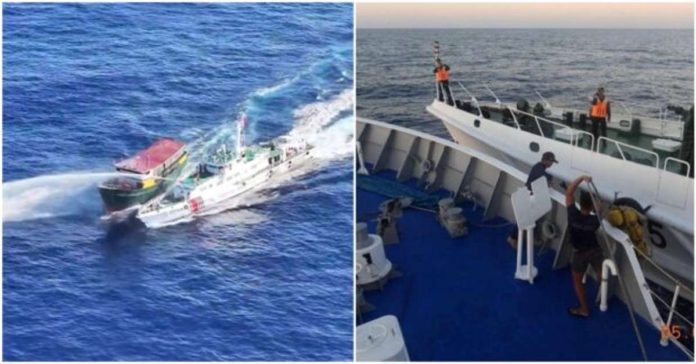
[149,183]
[632,222]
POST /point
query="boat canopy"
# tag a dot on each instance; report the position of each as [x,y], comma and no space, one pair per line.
[152,157]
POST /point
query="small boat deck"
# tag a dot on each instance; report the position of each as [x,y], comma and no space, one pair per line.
[458,300]
[639,143]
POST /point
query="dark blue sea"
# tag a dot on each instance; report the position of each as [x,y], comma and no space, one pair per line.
[644,69]
[88,84]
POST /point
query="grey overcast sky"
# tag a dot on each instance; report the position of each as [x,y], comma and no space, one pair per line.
[526,15]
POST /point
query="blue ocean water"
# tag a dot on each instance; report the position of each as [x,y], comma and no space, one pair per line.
[87,84]
[645,69]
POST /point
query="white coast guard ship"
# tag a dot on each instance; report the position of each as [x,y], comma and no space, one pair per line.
[619,168]
[225,175]
[643,158]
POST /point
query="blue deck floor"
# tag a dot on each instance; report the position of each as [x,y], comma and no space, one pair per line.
[458,300]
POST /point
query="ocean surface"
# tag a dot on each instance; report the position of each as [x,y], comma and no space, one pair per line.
[644,69]
[88,84]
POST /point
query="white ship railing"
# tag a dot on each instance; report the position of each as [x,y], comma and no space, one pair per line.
[473,98]
[678,161]
[668,332]
[574,138]
[662,114]
[497,100]
[676,129]
[574,141]
[546,103]
[619,148]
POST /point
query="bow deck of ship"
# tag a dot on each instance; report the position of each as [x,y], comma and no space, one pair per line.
[458,300]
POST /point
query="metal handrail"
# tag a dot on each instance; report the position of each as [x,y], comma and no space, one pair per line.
[559,125]
[619,144]
[672,307]
[546,103]
[454,97]
[514,118]
[551,121]
[677,284]
[630,114]
[676,160]
[593,146]
[437,91]
[648,259]
[661,117]
[661,270]
[473,98]
[541,131]
[497,100]
[594,195]
[652,293]
[618,147]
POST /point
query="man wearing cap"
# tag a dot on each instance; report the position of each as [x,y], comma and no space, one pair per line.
[538,171]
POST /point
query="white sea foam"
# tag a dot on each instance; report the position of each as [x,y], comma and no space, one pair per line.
[317,123]
[268,91]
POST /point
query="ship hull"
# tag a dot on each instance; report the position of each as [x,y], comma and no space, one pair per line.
[117,198]
[222,194]
[669,195]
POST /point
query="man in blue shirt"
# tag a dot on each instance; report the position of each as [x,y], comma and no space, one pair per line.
[538,171]
[582,228]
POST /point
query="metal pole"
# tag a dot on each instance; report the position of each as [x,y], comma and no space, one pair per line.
[663,342]
[594,195]
[530,254]
[436,53]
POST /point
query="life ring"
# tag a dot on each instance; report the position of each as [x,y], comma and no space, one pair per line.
[548,230]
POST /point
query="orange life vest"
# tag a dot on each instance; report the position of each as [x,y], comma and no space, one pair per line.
[442,74]
[599,109]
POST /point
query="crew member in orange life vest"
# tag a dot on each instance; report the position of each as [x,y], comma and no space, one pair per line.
[442,77]
[600,114]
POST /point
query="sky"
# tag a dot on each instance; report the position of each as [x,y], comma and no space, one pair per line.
[526,15]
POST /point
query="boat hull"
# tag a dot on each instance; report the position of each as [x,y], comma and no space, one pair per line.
[120,193]
[226,195]
[669,195]
[116,200]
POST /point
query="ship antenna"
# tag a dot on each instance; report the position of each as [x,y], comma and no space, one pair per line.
[436,49]
[241,123]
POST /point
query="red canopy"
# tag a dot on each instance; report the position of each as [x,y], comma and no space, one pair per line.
[151,157]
